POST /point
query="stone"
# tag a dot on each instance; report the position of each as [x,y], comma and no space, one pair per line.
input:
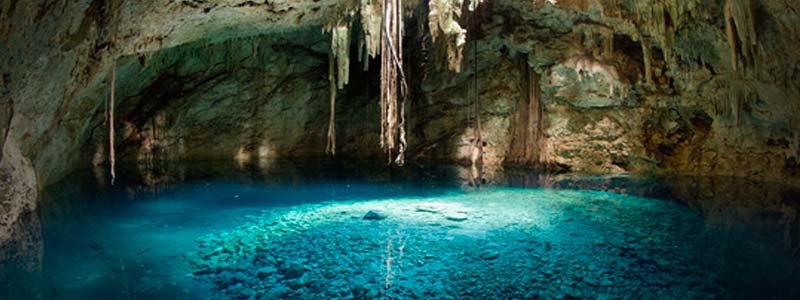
[247,293]
[372,293]
[490,255]
[263,272]
[605,282]
[303,281]
[291,271]
[427,209]
[277,291]
[374,215]
[600,242]
[457,217]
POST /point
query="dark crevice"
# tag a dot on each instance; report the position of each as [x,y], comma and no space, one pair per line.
[164,89]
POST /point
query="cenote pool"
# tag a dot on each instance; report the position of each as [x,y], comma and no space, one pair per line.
[417,233]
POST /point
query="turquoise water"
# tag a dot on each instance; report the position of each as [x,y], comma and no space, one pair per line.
[431,234]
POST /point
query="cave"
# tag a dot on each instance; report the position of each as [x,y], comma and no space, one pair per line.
[389,149]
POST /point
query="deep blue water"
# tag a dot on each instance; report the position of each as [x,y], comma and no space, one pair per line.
[298,232]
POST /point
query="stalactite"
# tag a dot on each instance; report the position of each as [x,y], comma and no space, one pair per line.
[741,32]
[111,153]
[660,19]
[338,74]
[738,87]
[446,33]
[647,58]
[608,44]
[738,94]
[473,4]
[371,20]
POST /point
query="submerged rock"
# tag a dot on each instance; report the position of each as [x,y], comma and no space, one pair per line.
[457,217]
[303,281]
[427,209]
[292,271]
[265,271]
[277,291]
[373,215]
[490,255]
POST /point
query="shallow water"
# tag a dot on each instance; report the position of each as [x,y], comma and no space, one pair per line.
[298,232]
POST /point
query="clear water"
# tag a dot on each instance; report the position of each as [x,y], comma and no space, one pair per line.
[299,232]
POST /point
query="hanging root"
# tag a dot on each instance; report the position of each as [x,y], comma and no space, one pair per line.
[382,23]
[111,123]
[477,146]
[394,87]
[401,148]
[330,147]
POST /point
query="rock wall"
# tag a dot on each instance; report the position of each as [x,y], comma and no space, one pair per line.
[19,191]
[696,114]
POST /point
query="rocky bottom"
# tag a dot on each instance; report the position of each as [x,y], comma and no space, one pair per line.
[493,244]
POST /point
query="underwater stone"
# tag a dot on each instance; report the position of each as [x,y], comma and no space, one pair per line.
[303,281]
[292,271]
[265,271]
[247,292]
[457,217]
[277,291]
[373,215]
[372,293]
[490,255]
[606,282]
[427,209]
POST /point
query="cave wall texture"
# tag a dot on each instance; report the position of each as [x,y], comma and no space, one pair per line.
[247,80]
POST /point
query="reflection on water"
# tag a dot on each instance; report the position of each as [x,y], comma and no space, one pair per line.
[153,216]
